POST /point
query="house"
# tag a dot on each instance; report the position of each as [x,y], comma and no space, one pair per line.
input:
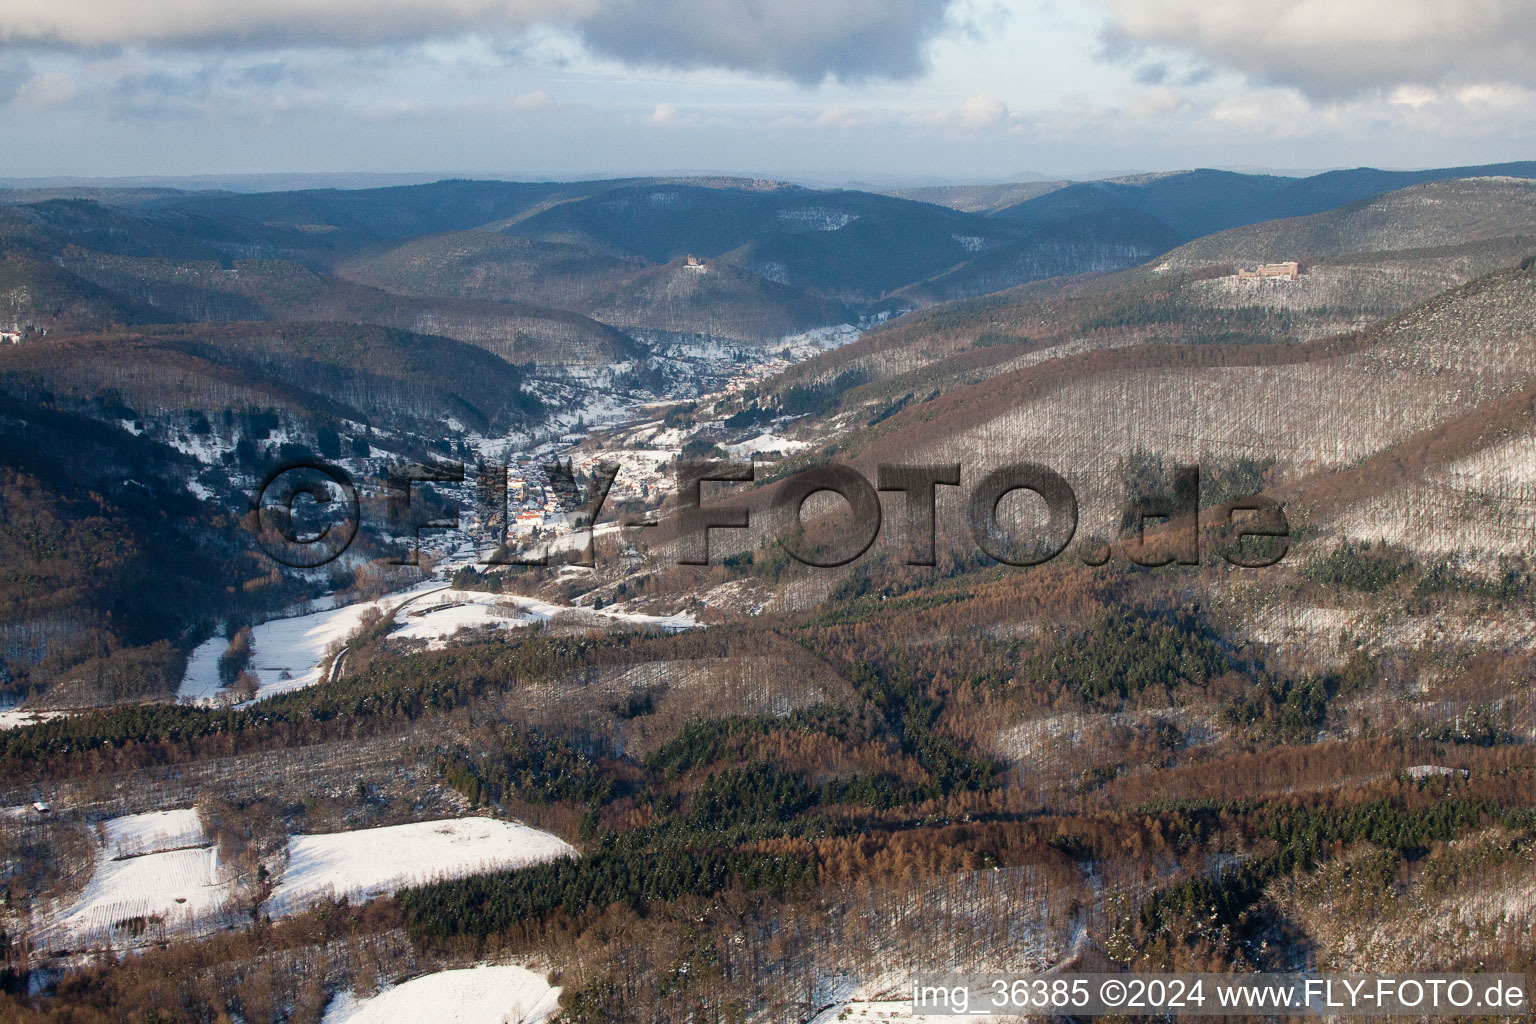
[10,337]
[1288,271]
[695,264]
[40,807]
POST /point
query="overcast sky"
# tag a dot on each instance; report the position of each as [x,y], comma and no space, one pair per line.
[822,90]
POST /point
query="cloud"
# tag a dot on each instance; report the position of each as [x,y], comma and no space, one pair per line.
[12,77]
[1335,48]
[27,89]
[158,94]
[978,113]
[530,100]
[983,112]
[1156,101]
[801,40]
[665,114]
[264,23]
[840,118]
[43,92]
[271,73]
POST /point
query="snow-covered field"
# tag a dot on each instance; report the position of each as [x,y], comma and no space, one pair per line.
[159,865]
[440,615]
[161,871]
[18,717]
[766,443]
[182,888]
[834,336]
[478,995]
[443,614]
[371,862]
[287,652]
[156,832]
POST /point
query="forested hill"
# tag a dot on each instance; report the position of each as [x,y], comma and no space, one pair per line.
[1199,202]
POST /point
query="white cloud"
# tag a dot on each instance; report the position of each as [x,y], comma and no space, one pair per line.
[42,92]
[983,112]
[1414,96]
[665,114]
[839,117]
[93,23]
[530,100]
[12,79]
[977,113]
[803,40]
[1156,101]
[1333,48]
[1488,94]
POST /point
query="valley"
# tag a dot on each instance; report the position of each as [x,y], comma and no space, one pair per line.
[620,785]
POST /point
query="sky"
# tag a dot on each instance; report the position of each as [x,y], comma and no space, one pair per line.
[842,92]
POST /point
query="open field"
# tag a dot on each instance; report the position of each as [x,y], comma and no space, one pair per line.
[371,862]
[154,895]
[479,995]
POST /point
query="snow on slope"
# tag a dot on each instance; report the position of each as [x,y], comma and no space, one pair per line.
[479,995]
[638,620]
[442,614]
[287,652]
[183,888]
[372,862]
[143,871]
[818,338]
[155,832]
[766,442]
[18,717]
[156,865]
